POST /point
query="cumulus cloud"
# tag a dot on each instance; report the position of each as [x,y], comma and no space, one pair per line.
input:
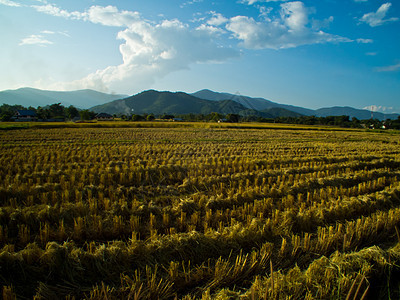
[294,15]
[377,18]
[35,39]
[149,50]
[217,19]
[392,68]
[288,31]
[111,16]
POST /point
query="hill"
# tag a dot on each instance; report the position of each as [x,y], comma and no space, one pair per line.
[264,104]
[159,103]
[249,102]
[360,114]
[35,97]
[277,112]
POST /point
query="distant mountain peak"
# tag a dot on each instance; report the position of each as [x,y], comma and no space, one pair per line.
[27,96]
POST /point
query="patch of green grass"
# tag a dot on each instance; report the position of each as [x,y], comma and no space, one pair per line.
[12,126]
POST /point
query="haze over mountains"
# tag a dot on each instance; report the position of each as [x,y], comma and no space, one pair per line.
[34,97]
[175,103]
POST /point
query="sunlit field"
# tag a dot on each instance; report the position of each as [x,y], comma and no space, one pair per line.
[198,211]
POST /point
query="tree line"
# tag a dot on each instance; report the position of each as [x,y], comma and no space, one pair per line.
[54,111]
[57,111]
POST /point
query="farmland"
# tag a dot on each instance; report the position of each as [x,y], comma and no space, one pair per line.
[198,211]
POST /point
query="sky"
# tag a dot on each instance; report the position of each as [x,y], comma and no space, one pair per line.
[312,54]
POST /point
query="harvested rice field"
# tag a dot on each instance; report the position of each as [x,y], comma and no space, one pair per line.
[199,213]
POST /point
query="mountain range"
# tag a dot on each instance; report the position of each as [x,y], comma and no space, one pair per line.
[159,103]
[34,97]
[175,103]
[262,104]
[206,101]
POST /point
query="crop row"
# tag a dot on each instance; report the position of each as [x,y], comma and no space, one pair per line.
[188,213]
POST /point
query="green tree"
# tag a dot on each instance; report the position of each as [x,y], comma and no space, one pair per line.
[7,111]
[86,114]
[150,117]
[6,115]
[137,118]
[56,110]
[214,116]
[42,113]
[233,118]
[71,112]
[167,117]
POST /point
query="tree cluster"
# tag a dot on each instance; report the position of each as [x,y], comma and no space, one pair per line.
[51,112]
[339,121]
[57,111]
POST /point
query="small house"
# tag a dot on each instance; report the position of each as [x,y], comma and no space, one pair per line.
[25,116]
[103,117]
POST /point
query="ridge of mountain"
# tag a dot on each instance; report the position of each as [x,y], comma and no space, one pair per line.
[255,103]
[321,112]
[164,102]
[35,97]
[360,114]
[201,102]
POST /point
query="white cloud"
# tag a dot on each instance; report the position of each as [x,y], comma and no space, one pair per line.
[288,31]
[365,41]
[190,3]
[377,18]
[40,39]
[35,39]
[251,2]
[10,3]
[360,0]
[382,109]
[217,19]
[392,68]
[325,23]
[371,53]
[264,12]
[47,32]
[53,10]
[111,16]
[148,50]
[294,15]
[211,29]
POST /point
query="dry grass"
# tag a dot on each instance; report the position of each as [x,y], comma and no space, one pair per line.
[198,211]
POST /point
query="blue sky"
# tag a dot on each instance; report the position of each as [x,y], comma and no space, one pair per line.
[307,53]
